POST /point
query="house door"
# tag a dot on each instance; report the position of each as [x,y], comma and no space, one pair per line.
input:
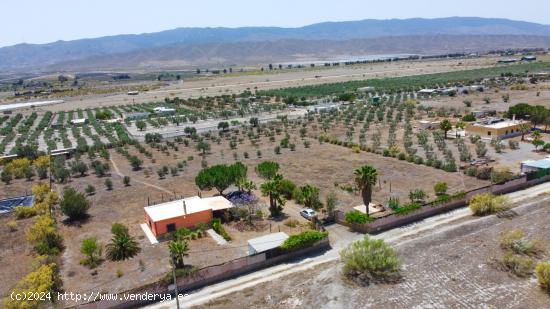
[171,227]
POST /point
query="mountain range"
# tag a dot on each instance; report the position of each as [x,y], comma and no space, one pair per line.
[223,46]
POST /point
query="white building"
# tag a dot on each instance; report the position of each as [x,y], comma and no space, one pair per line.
[79,121]
[164,110]
[267,242]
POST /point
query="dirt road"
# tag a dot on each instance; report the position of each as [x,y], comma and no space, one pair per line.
[431,227]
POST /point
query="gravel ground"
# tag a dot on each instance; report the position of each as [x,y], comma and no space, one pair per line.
[455,271]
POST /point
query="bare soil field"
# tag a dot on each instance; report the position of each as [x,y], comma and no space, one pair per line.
[455,271]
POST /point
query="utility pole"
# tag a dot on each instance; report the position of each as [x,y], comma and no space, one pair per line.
[175,282]
[50,178]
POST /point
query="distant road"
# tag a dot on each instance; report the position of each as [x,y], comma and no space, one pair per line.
[12,106]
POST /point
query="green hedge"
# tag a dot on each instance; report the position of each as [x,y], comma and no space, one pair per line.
[218,228]
[403,210]
[356,216]
[303,240]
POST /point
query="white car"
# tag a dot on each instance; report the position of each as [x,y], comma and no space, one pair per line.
[308,213]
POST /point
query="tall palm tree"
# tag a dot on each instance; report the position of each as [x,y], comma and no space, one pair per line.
[272,188]
[178,251]
[365,179]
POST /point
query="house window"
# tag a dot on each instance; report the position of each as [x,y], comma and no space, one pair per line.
[171,227]
[506,132]
[488,132]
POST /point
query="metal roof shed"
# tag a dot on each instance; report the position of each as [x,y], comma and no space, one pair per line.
[266,242]
[535,165]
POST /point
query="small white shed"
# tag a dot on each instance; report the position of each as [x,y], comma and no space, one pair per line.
[263,243]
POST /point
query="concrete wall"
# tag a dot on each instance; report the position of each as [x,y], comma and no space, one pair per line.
[393,221]
[209,275]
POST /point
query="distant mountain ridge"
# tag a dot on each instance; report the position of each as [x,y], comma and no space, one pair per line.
[44,55]
[292,50]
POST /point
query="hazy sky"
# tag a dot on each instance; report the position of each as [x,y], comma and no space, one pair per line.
[40,21]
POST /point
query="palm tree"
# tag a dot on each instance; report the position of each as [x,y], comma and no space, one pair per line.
[122,247]
[524,128]
[365,179]
[272,188]
[178,251]
[537,139]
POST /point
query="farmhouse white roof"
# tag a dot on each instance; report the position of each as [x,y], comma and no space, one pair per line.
[174,209]
[500,124]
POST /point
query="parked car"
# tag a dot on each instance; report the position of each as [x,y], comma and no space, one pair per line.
[308,213]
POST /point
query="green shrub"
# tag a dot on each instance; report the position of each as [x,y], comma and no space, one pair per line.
[440,188]
[370,260]
[520,266]
[303,240]
[218,228]
[393,203]
[22,212]
[487,203]
[74,204]
[542,271]
[358,217]
[515,240]
[44,236]
[501,175]
[403,210]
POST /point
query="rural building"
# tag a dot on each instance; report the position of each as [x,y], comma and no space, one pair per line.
[447,91]
[184,213]
[427,92]
[365,89]
[267,242]
[323,108]
[164,110]
[528,58]
[429,125]
[479,88]
[135,115]
[114,120]
[133,92]
[512,60]
[79,121]
[495,128]
[531,166]
[485,113]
